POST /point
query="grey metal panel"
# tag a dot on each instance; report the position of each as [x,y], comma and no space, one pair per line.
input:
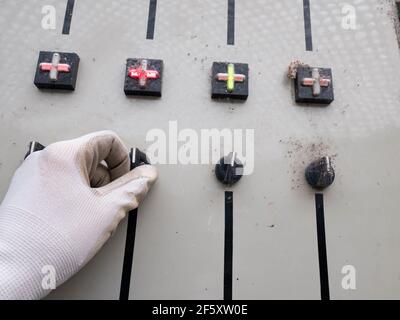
[179,239]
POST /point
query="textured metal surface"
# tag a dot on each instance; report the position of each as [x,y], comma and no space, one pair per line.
[179,240]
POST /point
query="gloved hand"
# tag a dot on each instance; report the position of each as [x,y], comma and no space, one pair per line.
[63,203]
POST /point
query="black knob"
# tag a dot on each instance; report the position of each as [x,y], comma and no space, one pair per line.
[229,169]
[33,147]
[138,158]
[320,174]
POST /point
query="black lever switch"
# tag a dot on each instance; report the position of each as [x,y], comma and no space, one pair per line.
[320,174]
[229,169]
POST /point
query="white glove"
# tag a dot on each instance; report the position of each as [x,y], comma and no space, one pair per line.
[63,204]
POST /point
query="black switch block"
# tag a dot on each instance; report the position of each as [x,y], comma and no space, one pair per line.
[314,85]
[230,80]
[143,77]
[56,70]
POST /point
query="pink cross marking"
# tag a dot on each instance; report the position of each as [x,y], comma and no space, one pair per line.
[316,82]
[54,67]
[142,73]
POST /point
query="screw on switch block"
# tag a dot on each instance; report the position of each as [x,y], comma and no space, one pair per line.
[229,169]
[320,173]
